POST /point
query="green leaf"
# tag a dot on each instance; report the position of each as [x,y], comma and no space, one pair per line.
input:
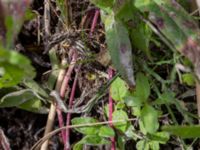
[145,5]
[78,146]
[124,10]
[142,4]
[121,142]
[120,49]
[167,97]
[94,140]
[104,5]
[14,68]
[149,119]
[154,145]
[17,98]
[133,101]
[142,87]
[9,22]
[118,89]
[29,14]
[136,111]
[189,79]
[34,105]
[178,28]
[130,133]
[140,36]
[36,87]
[4,91]
[25,99]
[55,69]
[86,130]
[161,137]
[192,131]
[120,115]
[142,145]
[106,131]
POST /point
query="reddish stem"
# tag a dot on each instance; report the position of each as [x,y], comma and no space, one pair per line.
[61,122]
[63,89]
[110,74]
[94,22]
[4,141]
[67,142]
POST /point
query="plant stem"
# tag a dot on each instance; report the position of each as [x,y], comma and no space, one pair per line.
[63,90]
[110,74]
[94,22]
[52,111]
[38,143]
[67,142]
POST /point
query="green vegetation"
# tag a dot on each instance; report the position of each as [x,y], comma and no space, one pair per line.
[153,45]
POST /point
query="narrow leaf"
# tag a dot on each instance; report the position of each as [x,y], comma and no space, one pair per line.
[120,48]
[17,98]
[142,86]
[192,131]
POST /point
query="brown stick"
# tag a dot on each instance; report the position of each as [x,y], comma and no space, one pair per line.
[47,18]
[52,111]
[38,143]
[198,4]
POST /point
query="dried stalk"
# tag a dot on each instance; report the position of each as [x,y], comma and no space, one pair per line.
[198,5]
[197,82]
[47,19]
[49,135]
[52,111]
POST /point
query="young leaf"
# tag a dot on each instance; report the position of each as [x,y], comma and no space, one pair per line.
[161,137]
[189,79]
[130,133]
[168,97]
[106,131]
[118,89]
[94,140]
[120,115]
[142,87]
[142,145]
[78,146]
[55,69]
[86,130]
[132,100]
[120,49]
[154,145]
[149,119]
